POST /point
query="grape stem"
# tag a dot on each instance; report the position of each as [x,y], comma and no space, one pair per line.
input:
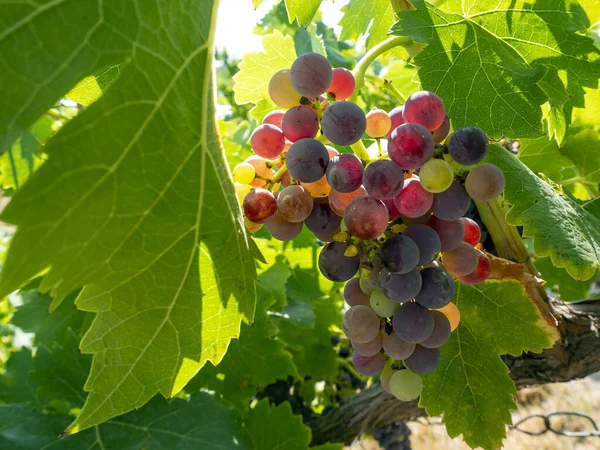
[360,150]
[282,170]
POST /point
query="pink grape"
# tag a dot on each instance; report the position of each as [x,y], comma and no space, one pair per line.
[339,201]
[274,118]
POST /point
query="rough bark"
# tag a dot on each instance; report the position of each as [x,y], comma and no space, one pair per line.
[576,356]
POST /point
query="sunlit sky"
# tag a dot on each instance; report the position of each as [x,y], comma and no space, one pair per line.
[237,19]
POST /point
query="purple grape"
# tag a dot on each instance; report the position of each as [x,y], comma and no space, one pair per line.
[423,360]
[437,288]
[344,123]
[334,265]
[396,348]
[322,219]
[370,348]
[354,295]
[451,204]
[427,240]
[383,179]
[400,288]
[440,333]
[307,160]
[345,173]
[368,366]
[468,146]
[412,322]
[311,74]
[451,232]
[283,230]
[399,254]
[360,324]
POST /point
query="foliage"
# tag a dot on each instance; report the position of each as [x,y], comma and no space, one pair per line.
[496,75]
[125,209]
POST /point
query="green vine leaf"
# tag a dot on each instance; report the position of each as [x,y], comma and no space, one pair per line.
[303,10]
[358,14]
[497,73]
[159,425]
[471,386]
[275,428]
[90,89]
[135,202]
[560,227]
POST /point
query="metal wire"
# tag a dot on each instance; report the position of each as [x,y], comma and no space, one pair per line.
[548,426]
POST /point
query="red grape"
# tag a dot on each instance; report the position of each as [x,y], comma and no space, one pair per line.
[267,141]
[366,217]
[410,146]
[396,118]
[260,205]
[481,272]
[300,122]
[413,200]
[342,84]
[472,231]
[425,108]
[274,118]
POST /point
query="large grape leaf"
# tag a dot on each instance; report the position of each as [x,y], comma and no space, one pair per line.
[88,90]
[561,228]
[471,386]
[15,384]
[251,83]
[135,201]
[275,428]
[358,15]
[498,61]
[203,421]
[303,10]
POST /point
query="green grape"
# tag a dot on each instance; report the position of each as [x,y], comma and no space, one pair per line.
[436,175]
[406,385]
[241,190]
[382,305]
[281,90]
[365,287]
[386,375]
[244,173]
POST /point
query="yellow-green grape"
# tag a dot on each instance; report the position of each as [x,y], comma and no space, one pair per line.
[406,385]
[378,123]
[382,305]
[436,175]
[281,91]
[364,287]
[244,173]
[386,375]
[241,190]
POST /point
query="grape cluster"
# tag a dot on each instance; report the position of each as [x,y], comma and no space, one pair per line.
[396,220]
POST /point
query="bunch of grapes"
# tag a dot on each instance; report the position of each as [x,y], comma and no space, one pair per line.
[396,220]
